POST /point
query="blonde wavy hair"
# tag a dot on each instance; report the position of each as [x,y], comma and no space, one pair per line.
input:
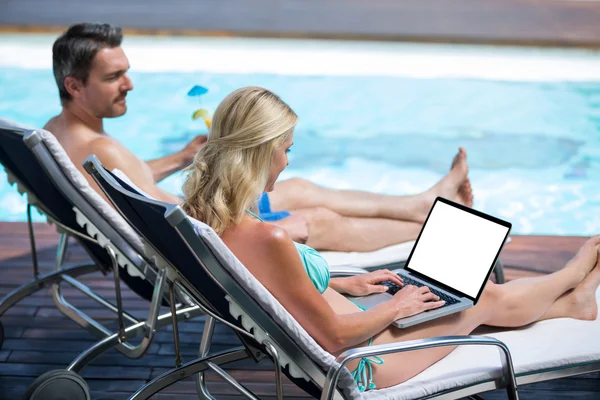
[231,171]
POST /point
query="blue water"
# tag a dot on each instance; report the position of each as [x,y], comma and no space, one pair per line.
[533,148]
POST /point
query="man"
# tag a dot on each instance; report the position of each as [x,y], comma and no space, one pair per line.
[91,68]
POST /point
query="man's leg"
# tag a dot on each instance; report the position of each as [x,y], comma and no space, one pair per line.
[328,230]
[296,193]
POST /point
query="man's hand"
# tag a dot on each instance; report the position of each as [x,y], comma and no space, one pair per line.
[190,150]
[165,166]
[296,226]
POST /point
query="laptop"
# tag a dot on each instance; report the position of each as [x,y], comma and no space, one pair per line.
[454,256]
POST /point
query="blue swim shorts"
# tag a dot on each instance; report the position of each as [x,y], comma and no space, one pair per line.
[264,210]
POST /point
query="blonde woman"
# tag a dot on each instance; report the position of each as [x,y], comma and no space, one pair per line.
[252,132]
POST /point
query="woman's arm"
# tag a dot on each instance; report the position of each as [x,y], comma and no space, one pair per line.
[280,270]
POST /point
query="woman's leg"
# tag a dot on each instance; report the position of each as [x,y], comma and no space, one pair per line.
[578,303]
[513,304]
[294,194]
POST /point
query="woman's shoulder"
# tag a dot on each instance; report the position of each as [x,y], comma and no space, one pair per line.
[258,238]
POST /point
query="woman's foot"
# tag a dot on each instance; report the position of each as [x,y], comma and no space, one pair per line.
[586,258]
[455,186]
[581,302]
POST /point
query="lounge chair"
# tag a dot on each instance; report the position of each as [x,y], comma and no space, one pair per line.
[197,259]
[38,165]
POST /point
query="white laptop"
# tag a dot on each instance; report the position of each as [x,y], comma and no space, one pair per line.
[454,256]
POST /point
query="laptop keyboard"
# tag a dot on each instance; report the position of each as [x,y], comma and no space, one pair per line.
[393,289]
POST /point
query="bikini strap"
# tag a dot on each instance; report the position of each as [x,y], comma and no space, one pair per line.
[255,216]
[363,375]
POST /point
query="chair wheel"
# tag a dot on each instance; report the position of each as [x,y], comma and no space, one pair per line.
[58,385]
[1,335]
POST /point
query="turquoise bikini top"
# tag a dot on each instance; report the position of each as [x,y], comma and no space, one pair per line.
[315,265]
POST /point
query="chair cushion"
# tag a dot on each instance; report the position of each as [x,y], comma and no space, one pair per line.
[387,255]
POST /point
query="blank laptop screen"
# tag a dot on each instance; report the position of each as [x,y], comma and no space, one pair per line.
[457,248]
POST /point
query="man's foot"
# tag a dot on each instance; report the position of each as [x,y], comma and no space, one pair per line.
[586,258]
[455,186]
[581,302]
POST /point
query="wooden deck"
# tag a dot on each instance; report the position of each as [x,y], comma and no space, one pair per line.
[39,338]
[536,22]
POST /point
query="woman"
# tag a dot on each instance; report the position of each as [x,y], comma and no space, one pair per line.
[252,133]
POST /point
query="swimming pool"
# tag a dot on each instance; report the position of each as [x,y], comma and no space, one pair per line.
[530,122]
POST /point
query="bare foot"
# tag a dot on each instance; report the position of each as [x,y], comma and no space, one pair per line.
[455,186]
[581,302]
[586,258]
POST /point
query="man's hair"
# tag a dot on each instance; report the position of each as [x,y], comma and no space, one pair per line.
[74,51]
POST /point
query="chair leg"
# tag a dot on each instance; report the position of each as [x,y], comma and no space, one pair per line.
[80,317]
[32,243]
[207,333]
[178,360]
[499,272]
[115,265]
[272,350]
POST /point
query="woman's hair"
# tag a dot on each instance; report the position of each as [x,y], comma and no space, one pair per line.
[231,171]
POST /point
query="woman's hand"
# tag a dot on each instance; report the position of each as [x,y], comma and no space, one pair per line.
[411,300]
[364,284]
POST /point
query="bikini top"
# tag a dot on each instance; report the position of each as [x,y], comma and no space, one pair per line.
[315,265]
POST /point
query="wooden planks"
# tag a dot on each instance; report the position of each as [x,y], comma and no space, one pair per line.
[543,254]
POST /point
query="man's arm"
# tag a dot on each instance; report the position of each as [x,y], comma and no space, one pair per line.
[165,166]
[114,155]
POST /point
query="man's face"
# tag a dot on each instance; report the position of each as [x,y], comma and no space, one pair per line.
[107,85]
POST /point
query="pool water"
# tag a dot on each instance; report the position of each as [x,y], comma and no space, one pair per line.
[533,147]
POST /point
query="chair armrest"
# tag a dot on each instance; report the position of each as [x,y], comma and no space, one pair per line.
[419,344]
[346,271]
